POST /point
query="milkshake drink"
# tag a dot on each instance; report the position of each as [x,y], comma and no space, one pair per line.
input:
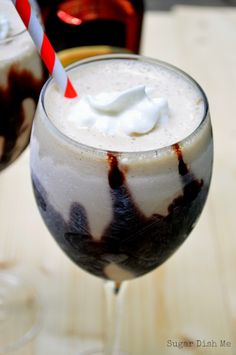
[121,174]
[21,78]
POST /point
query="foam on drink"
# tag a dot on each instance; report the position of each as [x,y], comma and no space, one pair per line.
[119,127]
[16,46]
[13,43]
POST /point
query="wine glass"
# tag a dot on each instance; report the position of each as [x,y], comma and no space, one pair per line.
[119,215]
[21,79]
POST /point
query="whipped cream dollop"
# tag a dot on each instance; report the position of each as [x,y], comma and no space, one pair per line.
[128,112]
[4,27]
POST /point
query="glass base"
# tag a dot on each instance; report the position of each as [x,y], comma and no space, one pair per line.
[20,312]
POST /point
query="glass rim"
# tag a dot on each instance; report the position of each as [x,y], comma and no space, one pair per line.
[52,127]
[12,37]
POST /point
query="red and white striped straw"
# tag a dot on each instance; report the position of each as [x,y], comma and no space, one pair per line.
[44,47]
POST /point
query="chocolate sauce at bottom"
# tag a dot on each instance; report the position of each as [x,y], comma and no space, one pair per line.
[132,241]
[21,84]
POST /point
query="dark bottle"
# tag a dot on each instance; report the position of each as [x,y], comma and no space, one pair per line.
[74,23]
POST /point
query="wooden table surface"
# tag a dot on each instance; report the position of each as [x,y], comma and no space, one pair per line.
[193,295]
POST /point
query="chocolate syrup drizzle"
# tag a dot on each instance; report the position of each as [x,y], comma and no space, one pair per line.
[21,84]
[133,241]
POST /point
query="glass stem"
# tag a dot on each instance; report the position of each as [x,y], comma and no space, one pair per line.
[114,307]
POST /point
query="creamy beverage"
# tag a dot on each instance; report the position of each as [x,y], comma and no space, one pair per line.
[135,92]
[21,78]
[121,174]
